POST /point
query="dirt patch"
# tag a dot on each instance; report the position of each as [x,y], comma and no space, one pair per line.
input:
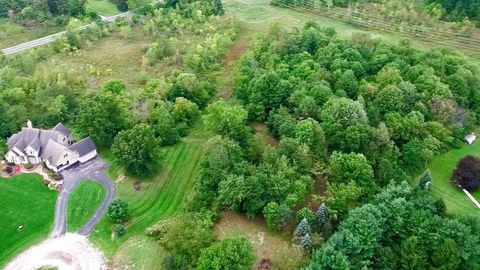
[267,137]
[68,252]
[271,247]
[137,186]
[238,48]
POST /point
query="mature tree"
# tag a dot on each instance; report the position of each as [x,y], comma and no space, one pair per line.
[163,125]
[310,133]
[446,255]
[192,88]
[328,258]
[187,237]
[122,5]
[322,219]
[303,228]
[228,120]
[307,214]
[352,167]
[467,173]
[220,161]
[101,117]
[218,7]
[342,197]
[306,243]
[118,211]
[344,118]
[234,254]
[412,254]
[184,111]
[347,83]
[136,150]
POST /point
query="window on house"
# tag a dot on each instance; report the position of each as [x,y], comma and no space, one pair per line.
[65,155]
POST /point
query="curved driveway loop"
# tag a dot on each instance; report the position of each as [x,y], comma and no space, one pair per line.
[93,170]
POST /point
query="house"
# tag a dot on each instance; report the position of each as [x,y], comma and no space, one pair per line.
[470,138]
[55,147]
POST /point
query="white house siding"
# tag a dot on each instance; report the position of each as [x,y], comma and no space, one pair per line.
[10,156]
[53,168]
[88,156]
[66,158]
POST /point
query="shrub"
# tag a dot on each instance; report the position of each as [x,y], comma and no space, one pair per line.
[119,230]
[118,211]
[9,169]
[158,230]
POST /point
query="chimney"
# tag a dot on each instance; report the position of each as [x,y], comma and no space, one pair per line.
[29,123]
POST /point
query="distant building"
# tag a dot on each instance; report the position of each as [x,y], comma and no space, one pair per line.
[470,138]
[54,147]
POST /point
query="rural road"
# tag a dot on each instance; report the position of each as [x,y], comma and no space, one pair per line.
[47,39]
[93,170]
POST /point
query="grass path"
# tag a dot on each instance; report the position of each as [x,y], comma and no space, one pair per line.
[24,201]
[159,197]
[442,167]
[82,203]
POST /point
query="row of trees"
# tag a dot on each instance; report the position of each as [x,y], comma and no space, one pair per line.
[29,12]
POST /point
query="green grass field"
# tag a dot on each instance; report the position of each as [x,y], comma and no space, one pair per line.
[12,34]
[159,197]
[82,203]
[103,7]
[24,201]
[442,167]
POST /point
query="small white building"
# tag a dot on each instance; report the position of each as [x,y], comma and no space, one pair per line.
[470,138]
[54,147]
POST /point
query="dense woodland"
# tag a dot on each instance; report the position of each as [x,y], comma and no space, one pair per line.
[354,122]
[363,118]
[29,13]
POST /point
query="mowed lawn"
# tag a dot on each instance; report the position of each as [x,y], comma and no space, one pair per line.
[103,7]
[82,203]
[442,167]
[24,201]
[159,197]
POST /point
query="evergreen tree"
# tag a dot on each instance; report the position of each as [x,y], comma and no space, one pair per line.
[321,216]
[306,243]
[219,7]
[302,229]
[425,180]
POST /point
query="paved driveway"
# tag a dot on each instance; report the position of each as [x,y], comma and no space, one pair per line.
[93,170]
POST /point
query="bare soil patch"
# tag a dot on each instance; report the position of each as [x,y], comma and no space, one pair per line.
[268,245]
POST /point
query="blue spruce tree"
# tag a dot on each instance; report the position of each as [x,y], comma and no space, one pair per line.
[306,243]
[302,229]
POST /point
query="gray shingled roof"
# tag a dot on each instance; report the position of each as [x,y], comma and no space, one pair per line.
[53,151]
[61,128]
[84,146]
[35,144]
[13,140]
[47,142]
